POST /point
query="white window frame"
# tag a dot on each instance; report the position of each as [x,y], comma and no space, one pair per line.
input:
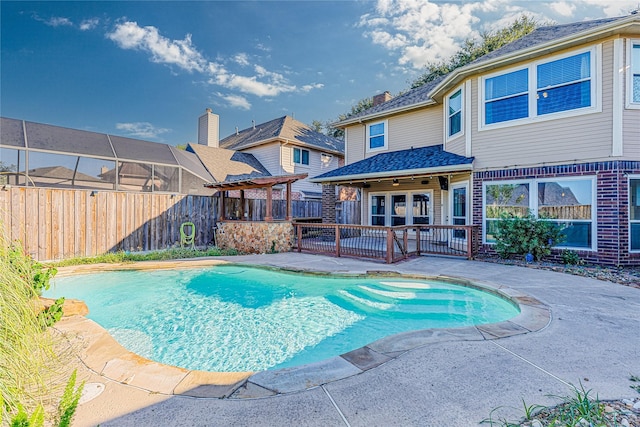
[596,91]
[408,205]
[631,177]
[447,118]
[630,103]
[533,205]
[293,156]
[385,136]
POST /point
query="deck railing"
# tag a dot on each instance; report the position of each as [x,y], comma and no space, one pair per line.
[389,244]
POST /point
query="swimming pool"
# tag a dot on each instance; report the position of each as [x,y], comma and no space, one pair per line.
[236,318]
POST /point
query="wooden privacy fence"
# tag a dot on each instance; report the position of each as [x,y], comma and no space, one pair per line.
[389,244]
[55,224]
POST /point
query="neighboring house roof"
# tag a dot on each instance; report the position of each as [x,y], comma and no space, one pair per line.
[544,38]
[61,172]
[228,165]
[414,161]
[284,129]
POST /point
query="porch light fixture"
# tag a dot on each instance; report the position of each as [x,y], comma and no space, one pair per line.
[395,182]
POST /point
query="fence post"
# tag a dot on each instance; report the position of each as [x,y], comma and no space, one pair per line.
[418,240]
[299,232]
[470,236]
[389,245]
[337,237]
[405,242]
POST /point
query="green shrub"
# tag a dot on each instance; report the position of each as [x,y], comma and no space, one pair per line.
[571,258]
[526,235]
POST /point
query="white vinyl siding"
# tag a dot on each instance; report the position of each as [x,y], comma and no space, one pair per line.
[585,136]
[354,140]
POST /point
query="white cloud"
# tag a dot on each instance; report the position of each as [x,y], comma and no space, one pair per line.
[182,53]
[141,129]
[241,59]
[89,24]
[54,21]
[309,88]
[419,32]
[128,35]
[237,101]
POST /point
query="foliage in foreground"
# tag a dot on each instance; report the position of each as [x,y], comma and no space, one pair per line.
[29,364]
[526,235]
[162,255]
[575,410]
[66,408]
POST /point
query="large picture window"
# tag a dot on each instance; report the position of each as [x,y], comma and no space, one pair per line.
[567,202]
[542,89]
[634,214]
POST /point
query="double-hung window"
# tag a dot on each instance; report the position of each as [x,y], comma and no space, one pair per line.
[564,84]
[543,89]
[300,156]
[377,136]
[454,115]
[633,74]
[506,97]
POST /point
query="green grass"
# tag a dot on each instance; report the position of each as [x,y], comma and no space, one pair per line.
[161,255]
[27,357]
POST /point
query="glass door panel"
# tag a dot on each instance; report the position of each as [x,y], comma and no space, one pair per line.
[459,211]
[398,209]
[421,208]
[377,210]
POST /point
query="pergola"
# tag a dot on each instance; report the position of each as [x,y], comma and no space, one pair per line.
[260,182]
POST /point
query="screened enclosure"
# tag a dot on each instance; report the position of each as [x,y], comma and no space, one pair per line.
[40,155]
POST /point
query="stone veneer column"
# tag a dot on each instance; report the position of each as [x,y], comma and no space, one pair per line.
[328,204]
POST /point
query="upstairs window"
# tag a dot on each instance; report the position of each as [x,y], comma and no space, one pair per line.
[633,76]
[541,90]
[300,156]
[564,84]
[377,136]
[506,97]
[454,108]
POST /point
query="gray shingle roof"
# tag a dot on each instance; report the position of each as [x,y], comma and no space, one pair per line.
[544,35]
[539,36]
[228,165]
[400,161]
[284,128]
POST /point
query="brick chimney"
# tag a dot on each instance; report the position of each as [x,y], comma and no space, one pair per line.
[383,97]
[208,129]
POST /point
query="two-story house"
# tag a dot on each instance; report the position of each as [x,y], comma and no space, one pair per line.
[549,123]
[283,146]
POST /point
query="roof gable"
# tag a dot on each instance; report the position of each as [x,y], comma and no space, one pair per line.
[285,129]
[228,165]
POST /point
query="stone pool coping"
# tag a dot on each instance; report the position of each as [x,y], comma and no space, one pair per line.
[102,354]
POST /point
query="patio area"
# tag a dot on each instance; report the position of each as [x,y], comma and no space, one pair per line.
[446,380]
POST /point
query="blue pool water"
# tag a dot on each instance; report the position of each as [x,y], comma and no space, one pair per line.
[237,318]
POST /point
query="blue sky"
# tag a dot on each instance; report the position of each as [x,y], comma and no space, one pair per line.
[147,69]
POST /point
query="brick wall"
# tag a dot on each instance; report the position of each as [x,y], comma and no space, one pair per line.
[612,204]
[329,204]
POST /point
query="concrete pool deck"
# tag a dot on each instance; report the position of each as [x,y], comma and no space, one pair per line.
[442,378]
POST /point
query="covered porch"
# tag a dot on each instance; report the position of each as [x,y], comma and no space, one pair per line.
[266,236]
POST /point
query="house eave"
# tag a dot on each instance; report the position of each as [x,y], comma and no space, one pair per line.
[381,114]
[568,41]
[345,179]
